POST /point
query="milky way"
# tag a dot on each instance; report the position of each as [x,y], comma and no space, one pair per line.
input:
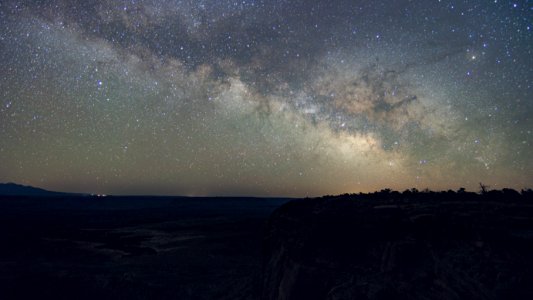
[265,98]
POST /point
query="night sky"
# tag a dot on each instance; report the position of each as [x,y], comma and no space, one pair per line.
[266,98]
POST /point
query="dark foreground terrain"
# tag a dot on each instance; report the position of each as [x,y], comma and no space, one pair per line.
[132,248]
[385,245]
[402,246]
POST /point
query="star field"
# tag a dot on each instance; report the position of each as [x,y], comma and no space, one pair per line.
[265,98]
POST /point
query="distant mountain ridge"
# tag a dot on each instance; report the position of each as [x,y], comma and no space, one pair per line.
[14,189]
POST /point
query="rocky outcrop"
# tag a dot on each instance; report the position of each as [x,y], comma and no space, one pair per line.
[423,246]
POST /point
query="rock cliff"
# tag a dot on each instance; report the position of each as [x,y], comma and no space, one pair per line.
[394,246]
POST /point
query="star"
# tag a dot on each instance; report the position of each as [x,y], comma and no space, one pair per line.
[264,97]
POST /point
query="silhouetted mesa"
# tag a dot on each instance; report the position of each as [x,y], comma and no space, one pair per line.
[402,246]
[13,189]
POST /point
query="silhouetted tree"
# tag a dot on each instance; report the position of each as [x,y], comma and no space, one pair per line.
[527,194]
[385,191]
[483,188]
[406,192]
[450,192]
[510,193]
[395,194]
